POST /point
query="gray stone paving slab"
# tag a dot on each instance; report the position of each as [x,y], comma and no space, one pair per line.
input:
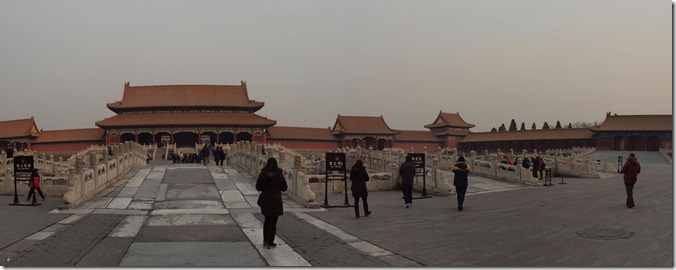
[225,184]
[247,188]
[127,192]
[40,235]
[205,254]
[98,203]
[252,200]
[187,233]
[135,182]
[129,226]
[318,247]
[79,211]
[70,219]
[232,196]
[162,192]
[155,175]
[119,203]
[107,253]
[147,192]
[193,219]
[192,192]
[119,212]
[189,204]
[67,247]
[22,245]
[56,227]
[162,212]
[188,176]
[18,222]
[141,205]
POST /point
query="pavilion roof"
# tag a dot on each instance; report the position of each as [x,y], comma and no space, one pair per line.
[530,135]
[71,135]
[449,120]
[636,123]
[18,128]
[185,96]
[416,136]
[301,133]
[185,119]
[371,125]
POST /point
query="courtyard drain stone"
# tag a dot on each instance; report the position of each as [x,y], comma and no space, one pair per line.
[605,234]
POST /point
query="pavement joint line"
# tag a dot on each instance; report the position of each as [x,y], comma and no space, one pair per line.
[282,255]
[361,245]
[335,231]
[189,212]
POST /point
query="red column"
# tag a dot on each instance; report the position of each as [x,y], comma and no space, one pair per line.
[218,138]
[172,138]
[136,137]
[234,137]
[199,138]
[265,138]
[29,145]
[108,139]
[154,139]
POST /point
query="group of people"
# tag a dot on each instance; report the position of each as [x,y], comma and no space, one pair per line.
[271,183]
[186,158]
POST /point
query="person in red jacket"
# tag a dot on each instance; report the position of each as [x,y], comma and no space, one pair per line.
[34,184]
[631,169]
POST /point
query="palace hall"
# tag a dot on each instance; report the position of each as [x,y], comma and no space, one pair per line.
[191,115]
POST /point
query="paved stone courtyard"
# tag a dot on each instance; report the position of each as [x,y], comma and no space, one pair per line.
[190,215]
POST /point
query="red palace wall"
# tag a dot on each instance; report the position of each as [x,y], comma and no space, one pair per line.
[69,147]
[307,145]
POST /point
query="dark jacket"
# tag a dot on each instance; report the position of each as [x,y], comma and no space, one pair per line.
[206,152]
[271,185]
[359,179]
[461,170]
[526,163]
[407,172]
[631,169]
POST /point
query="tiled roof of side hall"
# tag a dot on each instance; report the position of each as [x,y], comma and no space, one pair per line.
[374,125]
[530,135]
[18,128]
[71,135]
[301,133]
[449,119]
[636,123]
[175,96]
[185,119]
[416,136]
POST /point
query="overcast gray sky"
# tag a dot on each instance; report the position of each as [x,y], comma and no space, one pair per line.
[489,60]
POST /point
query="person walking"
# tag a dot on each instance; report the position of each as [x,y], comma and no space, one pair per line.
[407,172]
[536,165]
[271,183]
[206,152]
[217,156]
[631,169]
[359,177]
[541,166]
[460,170]
[34,184]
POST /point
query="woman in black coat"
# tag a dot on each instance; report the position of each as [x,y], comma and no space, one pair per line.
[359,178]
[271,183]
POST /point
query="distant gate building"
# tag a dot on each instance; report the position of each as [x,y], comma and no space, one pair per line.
[185,115]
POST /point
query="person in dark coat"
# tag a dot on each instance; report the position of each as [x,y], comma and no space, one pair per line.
[631,169]
[34,185]
[271,183]
[460,170]
[407,172]
[217,156]
[206,152]
[359,177]
[536,166]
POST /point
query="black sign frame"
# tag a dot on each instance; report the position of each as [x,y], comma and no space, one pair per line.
[420,170]
[335,162]
[23,164]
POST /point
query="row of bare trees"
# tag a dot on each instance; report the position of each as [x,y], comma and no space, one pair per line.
[512,126]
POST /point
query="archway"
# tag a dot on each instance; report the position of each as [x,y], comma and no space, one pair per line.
[127,137]
[162,138]
[619,143]
[381,144]
[185,139]
[227,137]
[244,136]
[145,138]
[208,136]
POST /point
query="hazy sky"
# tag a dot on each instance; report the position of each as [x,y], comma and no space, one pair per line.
[489,60]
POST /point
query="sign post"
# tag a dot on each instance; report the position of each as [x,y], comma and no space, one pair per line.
[22,165]
[419,162]
[335,162]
